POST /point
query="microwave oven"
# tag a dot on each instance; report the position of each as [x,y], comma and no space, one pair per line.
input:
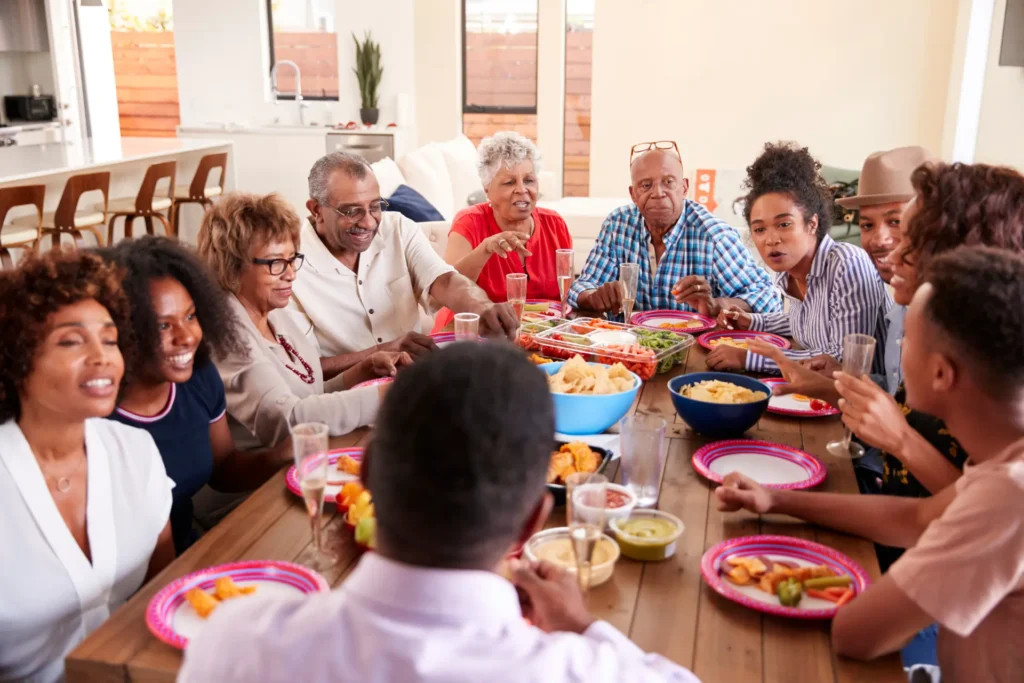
[29,108]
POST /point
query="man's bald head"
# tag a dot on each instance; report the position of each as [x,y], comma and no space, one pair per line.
[658,187]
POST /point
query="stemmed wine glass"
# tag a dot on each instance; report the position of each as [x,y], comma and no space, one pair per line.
[858,353]
[564,272]
[515,286]
[585,512]
[629,276]
[309,443]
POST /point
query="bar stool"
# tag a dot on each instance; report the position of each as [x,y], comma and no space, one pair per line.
[28,233]
[145,205]
[67,219]
[200,191]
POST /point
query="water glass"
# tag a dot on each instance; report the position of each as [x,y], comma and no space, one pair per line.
[586,500]
[642,439]
[515,287]
[564,259]
[629,277]
[858,355]
[309,445]
[467,327]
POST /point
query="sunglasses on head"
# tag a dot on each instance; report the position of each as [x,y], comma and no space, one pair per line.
[641,147]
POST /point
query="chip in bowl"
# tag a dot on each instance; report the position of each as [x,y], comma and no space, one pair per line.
[579,377]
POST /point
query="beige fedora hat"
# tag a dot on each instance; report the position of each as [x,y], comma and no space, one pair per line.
[885,177]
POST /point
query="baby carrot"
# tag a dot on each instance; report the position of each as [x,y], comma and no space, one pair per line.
[847,596]
[821,595]
[836,592]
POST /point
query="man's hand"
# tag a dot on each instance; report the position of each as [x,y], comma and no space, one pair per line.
[551,597]
[695,291]
[726,357]
[386,363]
[799,379]
[498,320]
[871,413]
[414,344]
[823,364]
[730,318]
[740,491]
[605,299]
[505,243]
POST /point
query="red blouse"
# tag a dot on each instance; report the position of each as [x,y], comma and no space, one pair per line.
[477,223]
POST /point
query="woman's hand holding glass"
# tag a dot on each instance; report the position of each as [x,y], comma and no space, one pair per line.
[871,413]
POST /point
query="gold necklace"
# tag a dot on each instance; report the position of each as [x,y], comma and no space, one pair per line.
[62,483]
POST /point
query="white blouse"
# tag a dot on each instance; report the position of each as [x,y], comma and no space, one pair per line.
[51,595]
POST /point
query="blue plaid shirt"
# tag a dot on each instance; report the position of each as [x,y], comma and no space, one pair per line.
[698,244]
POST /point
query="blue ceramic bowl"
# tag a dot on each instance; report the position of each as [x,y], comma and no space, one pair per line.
[585,414]
[718,419]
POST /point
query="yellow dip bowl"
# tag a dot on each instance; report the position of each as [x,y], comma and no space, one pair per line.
[555,546]
[647,535]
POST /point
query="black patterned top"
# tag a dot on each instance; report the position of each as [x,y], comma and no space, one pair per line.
[896,480]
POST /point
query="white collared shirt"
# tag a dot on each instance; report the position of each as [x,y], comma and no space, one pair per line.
[348,311]
[394,622]
[51,595]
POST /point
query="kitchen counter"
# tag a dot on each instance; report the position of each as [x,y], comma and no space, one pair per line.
[241,129]
[28,162]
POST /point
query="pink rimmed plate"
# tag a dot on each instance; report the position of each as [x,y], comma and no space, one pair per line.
[374,382]
[769,464]
[554,308]
[742,335]
[655,319]
[335,478]
[171,618]
[785,549]
[790,405]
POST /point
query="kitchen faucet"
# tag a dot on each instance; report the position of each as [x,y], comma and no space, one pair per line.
[298,86]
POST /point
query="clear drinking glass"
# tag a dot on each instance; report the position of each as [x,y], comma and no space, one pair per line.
[629,276]
[467,327]
[858,354]
[515,287]
[585,500]
[564,272]
[642,438]
[309,443]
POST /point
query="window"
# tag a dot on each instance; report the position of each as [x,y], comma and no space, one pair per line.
[499,56]
[302,31]
[579,34]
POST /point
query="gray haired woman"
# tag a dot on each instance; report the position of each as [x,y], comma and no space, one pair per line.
[508,233]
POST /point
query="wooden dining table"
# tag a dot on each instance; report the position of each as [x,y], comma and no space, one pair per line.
[664,607]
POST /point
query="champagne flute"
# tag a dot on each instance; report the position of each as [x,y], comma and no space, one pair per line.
[467,327]
[564,272]
[309,443]
[515,286]
[585,512]
[858,354]
[629,276]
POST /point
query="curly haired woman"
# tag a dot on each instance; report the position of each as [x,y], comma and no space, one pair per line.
[832,288]
[174,392]
[85,501]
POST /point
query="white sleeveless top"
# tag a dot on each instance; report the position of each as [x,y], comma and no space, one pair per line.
[51,596]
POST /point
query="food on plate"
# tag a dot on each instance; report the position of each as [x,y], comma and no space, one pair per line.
[539,360]
[361,514]
[818,404]
[728,341]
[569,459]
[717,391]
[349,492]
[637,359]
[786,580]
[541,307]
[224,588]
[800,398]
[542,321]
[659,341]
[579,377]
[366,532]
[681,325]
[605,338]
[558,550]
[349,465]
[647,535]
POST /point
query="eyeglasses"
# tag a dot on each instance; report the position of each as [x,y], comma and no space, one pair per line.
[355,214]
[277,266]
[641,147]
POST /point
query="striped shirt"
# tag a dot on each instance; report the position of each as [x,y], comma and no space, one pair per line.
[698,244]
[844,295]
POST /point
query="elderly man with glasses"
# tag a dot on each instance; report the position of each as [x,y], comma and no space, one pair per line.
[368,271]
[689,260]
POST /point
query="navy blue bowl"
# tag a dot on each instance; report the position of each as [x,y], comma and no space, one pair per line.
[718,419]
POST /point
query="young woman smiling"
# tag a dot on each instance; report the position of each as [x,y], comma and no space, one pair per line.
[833,288]
[84,500]
[175,392]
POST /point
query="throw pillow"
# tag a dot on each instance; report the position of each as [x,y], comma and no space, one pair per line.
[413,205]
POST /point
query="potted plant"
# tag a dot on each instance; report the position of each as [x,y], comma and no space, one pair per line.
[368,72]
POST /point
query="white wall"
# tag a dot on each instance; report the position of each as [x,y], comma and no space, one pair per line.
[438,57]
[721,77]
[1001,125]
[223,62]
